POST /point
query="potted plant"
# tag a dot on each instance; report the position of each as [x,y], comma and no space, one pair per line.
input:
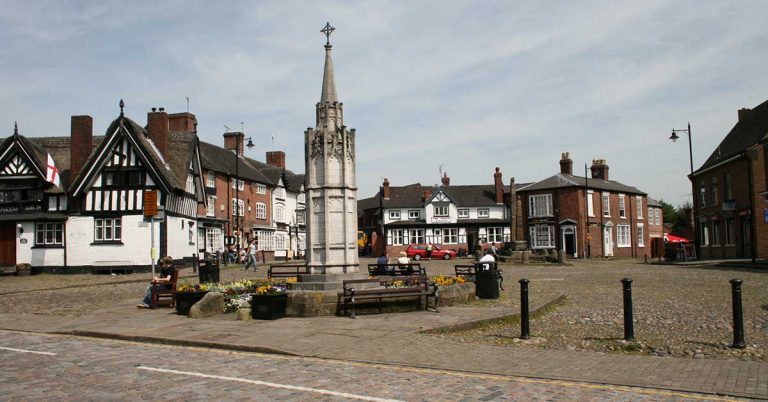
[187,295]
[269,302]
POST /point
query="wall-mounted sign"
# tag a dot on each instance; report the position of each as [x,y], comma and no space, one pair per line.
[150,203]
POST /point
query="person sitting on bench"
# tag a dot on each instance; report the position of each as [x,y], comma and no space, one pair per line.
[166,271]
[382,263]
[404,260]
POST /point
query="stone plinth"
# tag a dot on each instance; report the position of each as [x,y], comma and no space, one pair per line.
[321,282]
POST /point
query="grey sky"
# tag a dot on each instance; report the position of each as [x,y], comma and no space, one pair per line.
[467,85]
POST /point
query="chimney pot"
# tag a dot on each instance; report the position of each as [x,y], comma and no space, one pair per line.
[276,158]
[599,169]
[154,109]
[385,189]
[566,164]
[162,109]
[445,180]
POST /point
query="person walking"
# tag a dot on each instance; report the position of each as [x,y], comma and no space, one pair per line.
[252,257]
[429,251]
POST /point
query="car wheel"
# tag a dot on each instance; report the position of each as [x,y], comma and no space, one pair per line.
[447,256]
[417,257]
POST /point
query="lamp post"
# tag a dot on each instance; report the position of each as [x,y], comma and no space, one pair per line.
[674,138]
[237,182]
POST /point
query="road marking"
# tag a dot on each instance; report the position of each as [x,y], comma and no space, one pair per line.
[28,351]
[270,384]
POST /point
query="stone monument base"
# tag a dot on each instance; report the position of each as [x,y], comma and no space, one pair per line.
[322,282]
[518,245]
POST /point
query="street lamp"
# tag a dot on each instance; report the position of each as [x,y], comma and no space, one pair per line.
[237,181]
[674,138]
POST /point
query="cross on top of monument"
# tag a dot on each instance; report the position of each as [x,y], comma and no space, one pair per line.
[327,30]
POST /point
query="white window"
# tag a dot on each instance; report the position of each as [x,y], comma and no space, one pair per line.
[213,240]
[640,236]
[715,233]
[540,205]
[416,236]
[495,234]
[190,187]
[210,179]
[300,198]
[606,204]
[590,204]
[542,236]
[261,210]
[261,188]
[394,214]
[279,214]
[622,207]
[639,201]
[107,229]
[395,237]
[704,225]
[650,215]
[210,209]
[702,194]
[450,236]
[280,192]
[300,217]
[463,213]
[49,234]
[414,214]
[265,240]
[441,210]
[658,216]
[279,242]
[238,184]
[483,212]
[622,236]
[238,207]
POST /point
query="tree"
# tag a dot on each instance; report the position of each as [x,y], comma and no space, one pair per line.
[676,216]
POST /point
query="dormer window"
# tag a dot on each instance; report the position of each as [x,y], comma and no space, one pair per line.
[414,214]
[441,210]
[483,212]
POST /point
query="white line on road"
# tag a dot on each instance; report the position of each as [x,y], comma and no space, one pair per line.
[27,351]
[270,384]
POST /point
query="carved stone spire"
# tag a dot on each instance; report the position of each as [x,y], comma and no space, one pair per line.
[329,84]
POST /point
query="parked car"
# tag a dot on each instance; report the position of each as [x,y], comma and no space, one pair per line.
[419,251]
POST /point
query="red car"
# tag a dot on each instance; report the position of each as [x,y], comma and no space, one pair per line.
[419,251]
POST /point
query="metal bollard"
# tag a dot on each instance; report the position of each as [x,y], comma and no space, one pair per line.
[629,327]
[738,315]
[525,325]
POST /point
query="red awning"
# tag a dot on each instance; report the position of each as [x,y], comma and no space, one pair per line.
[675,239]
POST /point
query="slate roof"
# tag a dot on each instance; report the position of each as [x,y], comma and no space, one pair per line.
[462,195]
[562,180]
[293,181]
[750,129]
[220,160]
[653,203]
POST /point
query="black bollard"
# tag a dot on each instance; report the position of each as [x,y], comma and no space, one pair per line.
[629,328]
[738,315]
[525,325]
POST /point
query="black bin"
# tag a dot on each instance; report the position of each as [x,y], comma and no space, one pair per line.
[209,270]
[487,280]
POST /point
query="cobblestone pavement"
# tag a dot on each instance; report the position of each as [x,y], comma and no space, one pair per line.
[71,368]
[678,311]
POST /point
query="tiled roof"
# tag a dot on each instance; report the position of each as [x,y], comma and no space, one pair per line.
[653,203]
[750,129]
[220,160]
[562,180]
[411,196]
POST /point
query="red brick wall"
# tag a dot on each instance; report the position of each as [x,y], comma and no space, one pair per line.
[224,195]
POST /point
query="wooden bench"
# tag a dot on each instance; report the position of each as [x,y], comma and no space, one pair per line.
[413,268]
[286,271]
[163,295]
[380,289]
[470,273]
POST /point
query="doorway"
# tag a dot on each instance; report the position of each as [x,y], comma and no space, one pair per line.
[8,245]
[569,240]
[608,240]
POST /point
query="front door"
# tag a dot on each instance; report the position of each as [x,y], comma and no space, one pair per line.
[608,240]
[569,240]
[7,245]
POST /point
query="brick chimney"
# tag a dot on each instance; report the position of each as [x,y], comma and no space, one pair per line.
[234,140]
[276,158]
[182,122]
[566,164]
[743,112]
[81,144]
[499,186]
[157,126]
[385,189]
[446,180]
[599,169]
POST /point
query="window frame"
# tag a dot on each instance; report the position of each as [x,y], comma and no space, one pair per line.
[210,209]
[483,212]
[622,206]
[210,179]
[414,214]
[261,210]
[538,240]
[111,226]
[394,214]
[463,212]
[49,234]
[450,236]
[606,201]
[442,211]
[535,202]
[623,236]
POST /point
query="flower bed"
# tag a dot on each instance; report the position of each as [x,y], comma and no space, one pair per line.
[238,294]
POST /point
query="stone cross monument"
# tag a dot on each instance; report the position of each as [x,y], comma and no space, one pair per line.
[331,186]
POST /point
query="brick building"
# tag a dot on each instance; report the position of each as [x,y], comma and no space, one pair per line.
[593,216]
[731,207]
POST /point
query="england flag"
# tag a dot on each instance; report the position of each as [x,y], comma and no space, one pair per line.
[52,175]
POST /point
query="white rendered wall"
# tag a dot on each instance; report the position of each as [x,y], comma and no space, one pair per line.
[37,257]
[178,237]
[135,249]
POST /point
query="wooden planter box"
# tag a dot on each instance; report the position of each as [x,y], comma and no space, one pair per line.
[269,307]
[185,301]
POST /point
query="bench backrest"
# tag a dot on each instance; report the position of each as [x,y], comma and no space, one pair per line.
[468,270]
[396,269]
[286,270]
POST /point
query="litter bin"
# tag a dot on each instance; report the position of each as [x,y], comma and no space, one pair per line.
[209,271]
[487,280]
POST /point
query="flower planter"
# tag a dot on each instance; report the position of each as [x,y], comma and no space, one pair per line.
[269,306]
[185,301]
